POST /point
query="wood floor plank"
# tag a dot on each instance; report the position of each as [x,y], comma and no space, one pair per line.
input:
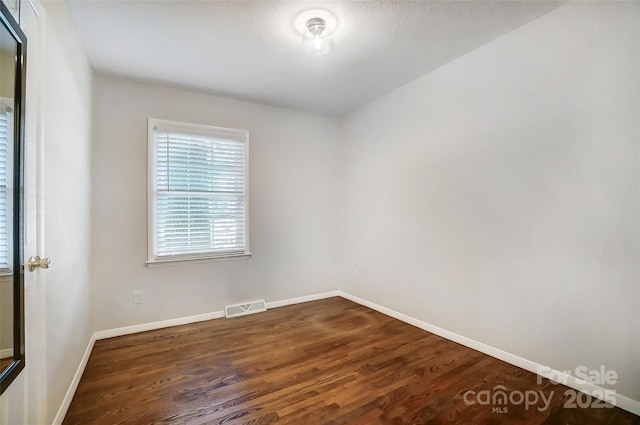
[324,362]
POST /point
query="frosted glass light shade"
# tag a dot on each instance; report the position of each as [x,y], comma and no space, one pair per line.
[316,45]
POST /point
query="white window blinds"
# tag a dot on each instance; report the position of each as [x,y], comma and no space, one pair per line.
[6,174]
[199,185]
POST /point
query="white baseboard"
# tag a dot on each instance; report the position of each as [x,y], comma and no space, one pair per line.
[6,353]
[126,330]
[307,298]
[66,402]
[622,401]
[143,327]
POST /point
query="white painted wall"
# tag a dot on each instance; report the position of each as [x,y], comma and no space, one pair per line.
[498,196]
[67,193]
[293,187]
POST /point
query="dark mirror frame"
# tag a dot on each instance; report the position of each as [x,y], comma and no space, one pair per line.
[11,372]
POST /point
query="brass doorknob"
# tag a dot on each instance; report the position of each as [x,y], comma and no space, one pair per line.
[36,261]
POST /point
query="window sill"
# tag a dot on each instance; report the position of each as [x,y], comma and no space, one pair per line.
[165,262]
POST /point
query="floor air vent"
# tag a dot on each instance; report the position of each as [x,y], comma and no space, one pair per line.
[245,308]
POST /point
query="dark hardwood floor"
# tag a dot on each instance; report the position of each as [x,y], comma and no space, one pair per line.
[323,362]
[5,362]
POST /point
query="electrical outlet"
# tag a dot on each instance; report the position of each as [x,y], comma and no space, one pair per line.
[137,297]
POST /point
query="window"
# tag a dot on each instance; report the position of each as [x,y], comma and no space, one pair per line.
[6,184]
[198,192]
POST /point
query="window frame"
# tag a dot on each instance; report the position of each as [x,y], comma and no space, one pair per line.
[154,260]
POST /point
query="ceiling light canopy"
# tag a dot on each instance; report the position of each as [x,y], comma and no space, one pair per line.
[317,27]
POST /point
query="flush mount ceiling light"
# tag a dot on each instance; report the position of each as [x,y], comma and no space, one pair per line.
[316,27]
[315,39]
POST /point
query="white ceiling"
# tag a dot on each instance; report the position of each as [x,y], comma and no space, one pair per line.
[251,50]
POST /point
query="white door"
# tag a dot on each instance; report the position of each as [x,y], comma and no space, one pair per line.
[24,402]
